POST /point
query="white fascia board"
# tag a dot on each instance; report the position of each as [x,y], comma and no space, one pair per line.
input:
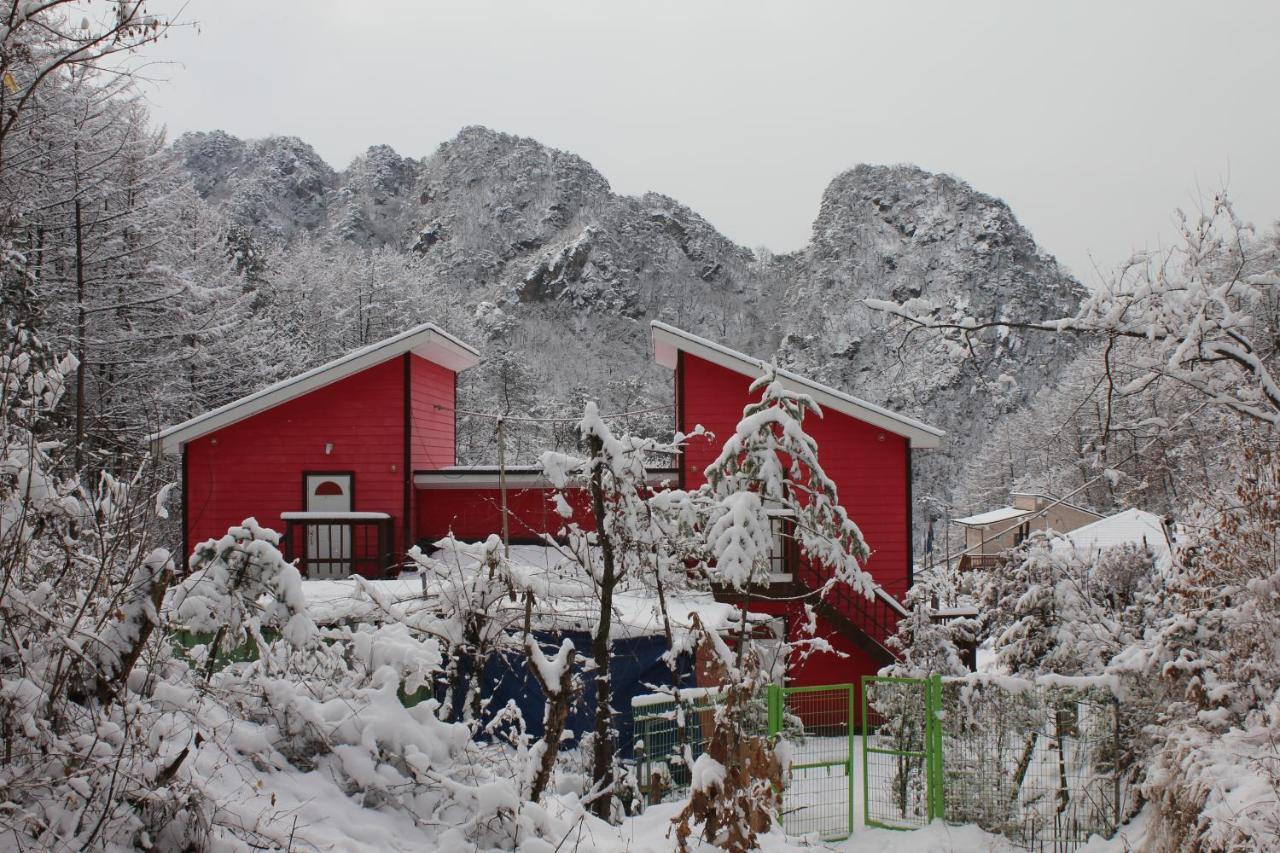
[427,341]
[668,341]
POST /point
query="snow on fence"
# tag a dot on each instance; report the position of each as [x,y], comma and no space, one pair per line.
[814,725]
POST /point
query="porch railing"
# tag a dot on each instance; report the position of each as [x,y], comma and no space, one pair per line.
[340,544]
[982,561]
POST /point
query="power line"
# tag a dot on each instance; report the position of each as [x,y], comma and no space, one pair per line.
[495,417]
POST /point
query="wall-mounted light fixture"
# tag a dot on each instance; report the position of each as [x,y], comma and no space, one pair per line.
[328,448]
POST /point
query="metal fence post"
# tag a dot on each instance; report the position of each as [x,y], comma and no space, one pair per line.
[936,806]
[866,775]
[774,695]
[849,767]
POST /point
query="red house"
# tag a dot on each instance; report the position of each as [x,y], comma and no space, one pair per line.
[355,460]
[336,443]
[864,448]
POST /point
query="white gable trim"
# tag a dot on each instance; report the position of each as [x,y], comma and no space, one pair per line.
[427,341]
[668,340]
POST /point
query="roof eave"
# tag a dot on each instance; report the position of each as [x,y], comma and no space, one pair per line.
[427,341]
[668,340]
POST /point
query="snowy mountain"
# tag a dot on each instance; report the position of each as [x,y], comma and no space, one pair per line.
[577,271]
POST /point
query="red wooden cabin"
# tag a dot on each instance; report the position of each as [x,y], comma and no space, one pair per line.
[864,448]
[326,456]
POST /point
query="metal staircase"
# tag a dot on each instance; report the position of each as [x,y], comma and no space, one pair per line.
[868,622]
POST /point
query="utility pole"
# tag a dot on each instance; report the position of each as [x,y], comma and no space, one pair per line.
[502,486]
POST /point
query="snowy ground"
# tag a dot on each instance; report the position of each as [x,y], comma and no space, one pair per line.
[636,611]
[366,829]
[647,834]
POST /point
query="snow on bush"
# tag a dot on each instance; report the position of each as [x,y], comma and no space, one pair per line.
[241,584]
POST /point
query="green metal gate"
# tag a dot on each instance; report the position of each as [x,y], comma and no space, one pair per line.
[816,726]
[902,778]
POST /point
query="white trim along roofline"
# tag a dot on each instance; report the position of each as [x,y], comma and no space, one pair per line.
[427,340]
[668,340]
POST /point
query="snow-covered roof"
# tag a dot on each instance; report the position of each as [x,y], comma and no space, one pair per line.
[575,607]
[1131,527]
[982,519]
[428,341]
[668,340]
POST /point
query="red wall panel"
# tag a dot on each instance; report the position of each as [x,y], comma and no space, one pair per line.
[472,514]
[431,414]
[255,467]
[868,465]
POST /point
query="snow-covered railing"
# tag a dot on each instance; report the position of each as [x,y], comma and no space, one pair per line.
[875,617]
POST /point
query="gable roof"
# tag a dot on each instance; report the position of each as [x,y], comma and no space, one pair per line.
[427,341]
[982,519]
[668,340]
[1131,527]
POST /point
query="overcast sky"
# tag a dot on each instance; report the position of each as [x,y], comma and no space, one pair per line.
[1092,120]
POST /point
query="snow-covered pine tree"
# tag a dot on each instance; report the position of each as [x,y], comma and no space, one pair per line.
[468,583]
[767,472]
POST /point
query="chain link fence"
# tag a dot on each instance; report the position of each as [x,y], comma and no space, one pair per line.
[1038,763]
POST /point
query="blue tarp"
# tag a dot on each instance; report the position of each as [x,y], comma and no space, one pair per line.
[636,667]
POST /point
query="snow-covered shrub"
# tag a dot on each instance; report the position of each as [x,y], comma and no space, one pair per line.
[1046,615]
[468,584]
[736,783]
[1211,663]
[240,585]
[926,643]
[328,703]
[80,585]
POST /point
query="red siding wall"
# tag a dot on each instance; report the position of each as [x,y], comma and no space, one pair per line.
[431,395]
[868,465]
[255,467]
[472,514]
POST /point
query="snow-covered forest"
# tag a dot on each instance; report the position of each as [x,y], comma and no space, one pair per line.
[240,706]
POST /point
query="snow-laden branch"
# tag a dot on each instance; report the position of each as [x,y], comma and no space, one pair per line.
[1203,315]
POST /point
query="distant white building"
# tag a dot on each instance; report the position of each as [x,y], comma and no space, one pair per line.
[989,534]
[1131,527]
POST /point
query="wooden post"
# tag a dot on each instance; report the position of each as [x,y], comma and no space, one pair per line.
[502,487]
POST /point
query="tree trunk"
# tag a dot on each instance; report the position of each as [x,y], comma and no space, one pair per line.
[81,335]
[602,754]
[559,698]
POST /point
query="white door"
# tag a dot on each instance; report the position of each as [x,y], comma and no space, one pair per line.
[328,545]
